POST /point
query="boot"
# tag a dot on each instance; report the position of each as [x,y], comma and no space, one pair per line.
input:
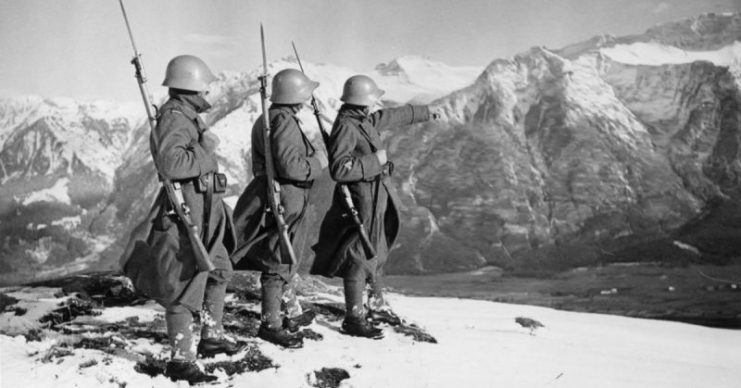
[187,370]
[384,316]
[209,347]
[295,323]
[360,327]
[281,337]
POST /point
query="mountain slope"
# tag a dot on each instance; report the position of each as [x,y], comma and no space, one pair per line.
[57,158]
[481,344]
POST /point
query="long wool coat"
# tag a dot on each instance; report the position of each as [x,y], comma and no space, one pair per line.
[352,145]
[296,167]
[159,258]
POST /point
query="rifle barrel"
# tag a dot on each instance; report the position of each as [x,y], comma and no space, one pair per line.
[172,190]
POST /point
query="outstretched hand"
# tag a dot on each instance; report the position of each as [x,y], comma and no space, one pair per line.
[435,112]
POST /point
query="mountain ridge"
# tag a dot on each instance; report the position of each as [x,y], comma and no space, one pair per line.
[567,150]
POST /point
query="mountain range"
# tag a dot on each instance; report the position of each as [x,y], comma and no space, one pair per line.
[566,156]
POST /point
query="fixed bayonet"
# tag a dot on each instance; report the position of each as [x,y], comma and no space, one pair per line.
[370,251]
[172,189]
[273,186]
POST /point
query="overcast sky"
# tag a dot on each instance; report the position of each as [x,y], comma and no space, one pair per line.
[79,48]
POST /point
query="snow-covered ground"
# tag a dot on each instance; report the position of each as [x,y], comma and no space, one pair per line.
[480,345]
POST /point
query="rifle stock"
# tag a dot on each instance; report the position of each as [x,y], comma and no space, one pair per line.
[172,189]
[273,186]
[370,251]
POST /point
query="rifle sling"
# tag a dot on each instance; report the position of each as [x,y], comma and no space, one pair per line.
[207,200]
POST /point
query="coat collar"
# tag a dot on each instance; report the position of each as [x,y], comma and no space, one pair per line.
[190,104]
[290,109]
[359,113]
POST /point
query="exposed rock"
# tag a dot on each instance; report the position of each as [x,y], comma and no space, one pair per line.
[328,377]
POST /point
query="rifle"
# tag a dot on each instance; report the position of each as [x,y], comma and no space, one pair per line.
[273,186]
[172,189]
[370,251]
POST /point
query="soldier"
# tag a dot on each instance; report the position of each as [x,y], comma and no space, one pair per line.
[358,159]
[297,163]
[184,151]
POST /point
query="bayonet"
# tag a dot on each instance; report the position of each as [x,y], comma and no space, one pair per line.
[172,189]
[370,251]
[275,206]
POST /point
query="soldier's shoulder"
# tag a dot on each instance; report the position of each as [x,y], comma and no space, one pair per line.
[173,110]
[282,118]
[173,114]
[280,114]
[344,127]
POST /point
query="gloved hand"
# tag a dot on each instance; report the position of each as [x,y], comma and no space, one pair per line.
[381,155]
[209,141]
[322,157]
[436,111]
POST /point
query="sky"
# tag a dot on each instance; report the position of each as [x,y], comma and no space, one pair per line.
[80,48]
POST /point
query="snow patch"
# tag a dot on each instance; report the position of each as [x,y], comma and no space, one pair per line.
[40,253]
[145,313]
[687,247]
[57,193]
[656,54]
[67,223]
[413,79]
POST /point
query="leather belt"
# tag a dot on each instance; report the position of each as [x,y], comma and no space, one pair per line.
[282,181]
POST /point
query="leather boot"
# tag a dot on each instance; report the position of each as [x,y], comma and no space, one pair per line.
[280,336]
[360,327]
[209,347]
[293,324]
[187,370]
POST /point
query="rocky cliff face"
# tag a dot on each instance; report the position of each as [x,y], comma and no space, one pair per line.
[563,155]
[57,164]
[556,155]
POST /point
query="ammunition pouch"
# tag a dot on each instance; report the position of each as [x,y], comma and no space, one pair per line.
[217,181]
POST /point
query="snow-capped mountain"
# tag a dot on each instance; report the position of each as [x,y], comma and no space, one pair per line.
[568,154]
[57,164]
[62,136]
[417,80]
[577,153]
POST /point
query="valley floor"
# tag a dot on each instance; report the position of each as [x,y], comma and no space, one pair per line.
[701,294]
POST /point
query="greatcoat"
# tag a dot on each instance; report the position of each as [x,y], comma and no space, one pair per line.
[352,161]
[159,258]
[296,167]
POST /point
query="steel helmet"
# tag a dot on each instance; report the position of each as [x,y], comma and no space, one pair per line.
[188,72]
[361,90]
[291,86]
